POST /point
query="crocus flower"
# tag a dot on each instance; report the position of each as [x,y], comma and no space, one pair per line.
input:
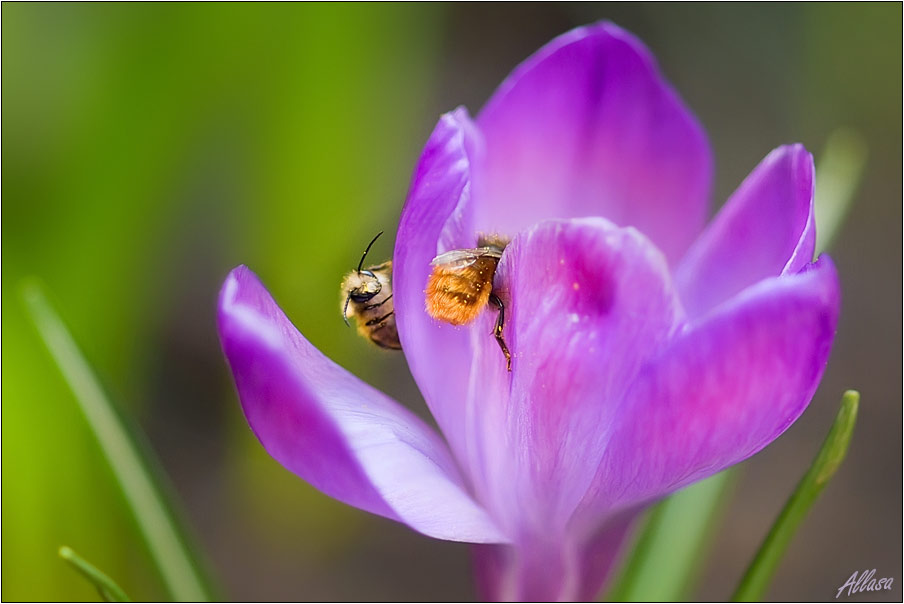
[649,349]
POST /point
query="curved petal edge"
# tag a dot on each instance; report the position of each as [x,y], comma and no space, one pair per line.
[437,217]
[724,390]
[334,431]
[767,228]
[588,126]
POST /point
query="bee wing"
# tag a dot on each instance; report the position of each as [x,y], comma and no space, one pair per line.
[455,259]
[458,259]
[378,268]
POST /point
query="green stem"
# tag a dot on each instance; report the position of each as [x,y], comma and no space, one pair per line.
[106,587]
[132,461]
[672,542]
[758,576]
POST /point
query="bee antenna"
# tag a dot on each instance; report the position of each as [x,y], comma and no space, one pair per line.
[365,254]
[345,309]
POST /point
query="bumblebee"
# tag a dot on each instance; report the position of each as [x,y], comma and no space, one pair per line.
[461,285]
[367,296]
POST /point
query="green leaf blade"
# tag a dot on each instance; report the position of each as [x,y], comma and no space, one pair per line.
[671,544]
[130,461]
[759,574]
[838,175]
[108,589]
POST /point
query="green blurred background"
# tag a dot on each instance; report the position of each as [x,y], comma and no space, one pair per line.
[148,148]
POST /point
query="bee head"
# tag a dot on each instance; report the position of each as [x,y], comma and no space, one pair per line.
[362,285]
[366,288]
[359,287]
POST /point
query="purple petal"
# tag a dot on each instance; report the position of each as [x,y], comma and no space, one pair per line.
[587,126]
[436,218]
[723,391]
[599,556]
[587,303]
[536,572]
[766,229]
[489,567]
[336,432]
[560,572]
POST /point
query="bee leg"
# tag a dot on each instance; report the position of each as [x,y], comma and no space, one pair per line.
[379,319]
[373,306]
[497,330]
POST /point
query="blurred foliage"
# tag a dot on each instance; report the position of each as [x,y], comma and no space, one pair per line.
[147,148]
[134,465]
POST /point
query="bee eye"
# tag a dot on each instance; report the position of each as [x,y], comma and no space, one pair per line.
[363,296]
[367,290]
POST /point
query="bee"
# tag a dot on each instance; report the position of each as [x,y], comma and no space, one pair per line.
[367,296]
[461,285]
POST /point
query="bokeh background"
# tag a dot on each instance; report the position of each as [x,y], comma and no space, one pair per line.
[149,148]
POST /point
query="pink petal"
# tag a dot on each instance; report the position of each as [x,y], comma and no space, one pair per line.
[437,217]
[587,126]
[560,571]
[766,229]
[334,431]
[587,304]
[723,391]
